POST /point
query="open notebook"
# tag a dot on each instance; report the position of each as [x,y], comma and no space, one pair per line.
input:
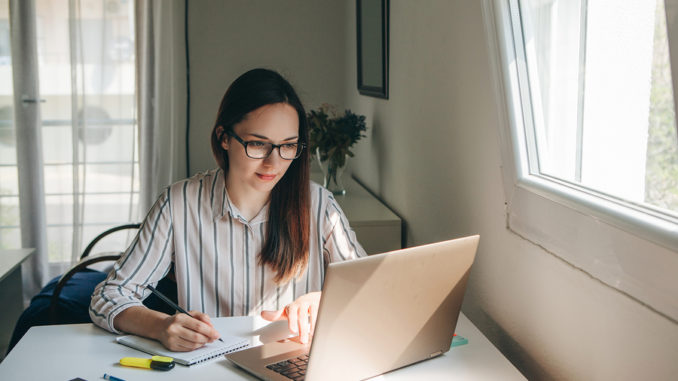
[209,351]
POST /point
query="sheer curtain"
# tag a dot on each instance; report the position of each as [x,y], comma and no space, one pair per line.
[161,68]
[76,133]
[28,132]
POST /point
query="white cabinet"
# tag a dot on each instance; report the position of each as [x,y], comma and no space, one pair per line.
[377,228]
[11,293]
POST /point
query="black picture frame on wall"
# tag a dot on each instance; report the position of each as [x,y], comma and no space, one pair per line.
[372,27]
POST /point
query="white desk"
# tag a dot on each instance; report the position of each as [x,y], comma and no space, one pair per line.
[11,292]
[83,350]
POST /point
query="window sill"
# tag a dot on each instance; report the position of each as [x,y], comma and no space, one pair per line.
[660,229]
[625,249]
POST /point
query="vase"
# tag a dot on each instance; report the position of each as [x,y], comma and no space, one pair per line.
[332,175]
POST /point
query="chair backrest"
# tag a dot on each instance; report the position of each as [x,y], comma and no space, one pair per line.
[85,261]
[65,300]
[108,232]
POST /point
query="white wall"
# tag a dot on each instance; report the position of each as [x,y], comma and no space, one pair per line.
[433,155]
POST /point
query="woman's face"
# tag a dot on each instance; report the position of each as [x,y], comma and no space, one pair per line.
[276,123]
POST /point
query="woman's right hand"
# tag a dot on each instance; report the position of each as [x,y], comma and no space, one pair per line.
[178,333]
[183,333]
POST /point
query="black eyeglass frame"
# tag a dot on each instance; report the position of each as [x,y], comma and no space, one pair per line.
[300,147]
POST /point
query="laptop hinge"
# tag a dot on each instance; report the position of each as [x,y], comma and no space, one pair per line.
[434,354]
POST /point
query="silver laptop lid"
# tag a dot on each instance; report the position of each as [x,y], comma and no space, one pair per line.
[386,311]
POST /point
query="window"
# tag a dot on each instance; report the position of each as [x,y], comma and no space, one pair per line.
[600,90]
[87,92]
[590,139]
[10,235]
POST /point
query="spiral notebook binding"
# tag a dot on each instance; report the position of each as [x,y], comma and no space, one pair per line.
[184,358]
[217,353]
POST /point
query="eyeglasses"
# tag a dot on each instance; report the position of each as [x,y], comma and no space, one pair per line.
[260,150]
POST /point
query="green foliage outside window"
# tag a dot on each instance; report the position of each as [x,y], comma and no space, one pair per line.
[661,178]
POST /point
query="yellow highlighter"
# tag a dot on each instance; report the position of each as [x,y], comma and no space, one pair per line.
[155,362]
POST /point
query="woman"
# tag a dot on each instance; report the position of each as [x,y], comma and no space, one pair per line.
[253,236]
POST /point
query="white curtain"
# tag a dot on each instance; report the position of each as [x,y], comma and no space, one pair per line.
[28,134]
[77,140]
[99,104]
[161,68]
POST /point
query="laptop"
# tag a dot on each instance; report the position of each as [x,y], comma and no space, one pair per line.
[377,314]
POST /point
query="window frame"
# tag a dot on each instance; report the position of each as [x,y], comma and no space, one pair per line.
[587,229]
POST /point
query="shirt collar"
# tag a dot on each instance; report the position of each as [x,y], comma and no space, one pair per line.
[224,205]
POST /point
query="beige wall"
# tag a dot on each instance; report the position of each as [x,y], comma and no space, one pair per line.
[433,155]
[303,40]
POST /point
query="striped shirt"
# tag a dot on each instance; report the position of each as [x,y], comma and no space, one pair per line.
[194,226]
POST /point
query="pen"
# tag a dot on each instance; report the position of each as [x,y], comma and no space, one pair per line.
[170,303]
[112,378]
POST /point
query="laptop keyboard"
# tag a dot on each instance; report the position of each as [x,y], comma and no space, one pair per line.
[294,368]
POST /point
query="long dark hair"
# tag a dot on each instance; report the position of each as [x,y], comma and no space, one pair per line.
[285,248]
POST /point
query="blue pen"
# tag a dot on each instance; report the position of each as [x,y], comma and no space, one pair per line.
[112,378]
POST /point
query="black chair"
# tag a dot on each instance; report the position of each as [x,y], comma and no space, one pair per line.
[84,262]
[65,299]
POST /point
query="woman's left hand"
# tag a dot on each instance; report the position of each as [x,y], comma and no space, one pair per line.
[300,314]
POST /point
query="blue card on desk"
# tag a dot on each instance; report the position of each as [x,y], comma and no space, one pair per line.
[458,340]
